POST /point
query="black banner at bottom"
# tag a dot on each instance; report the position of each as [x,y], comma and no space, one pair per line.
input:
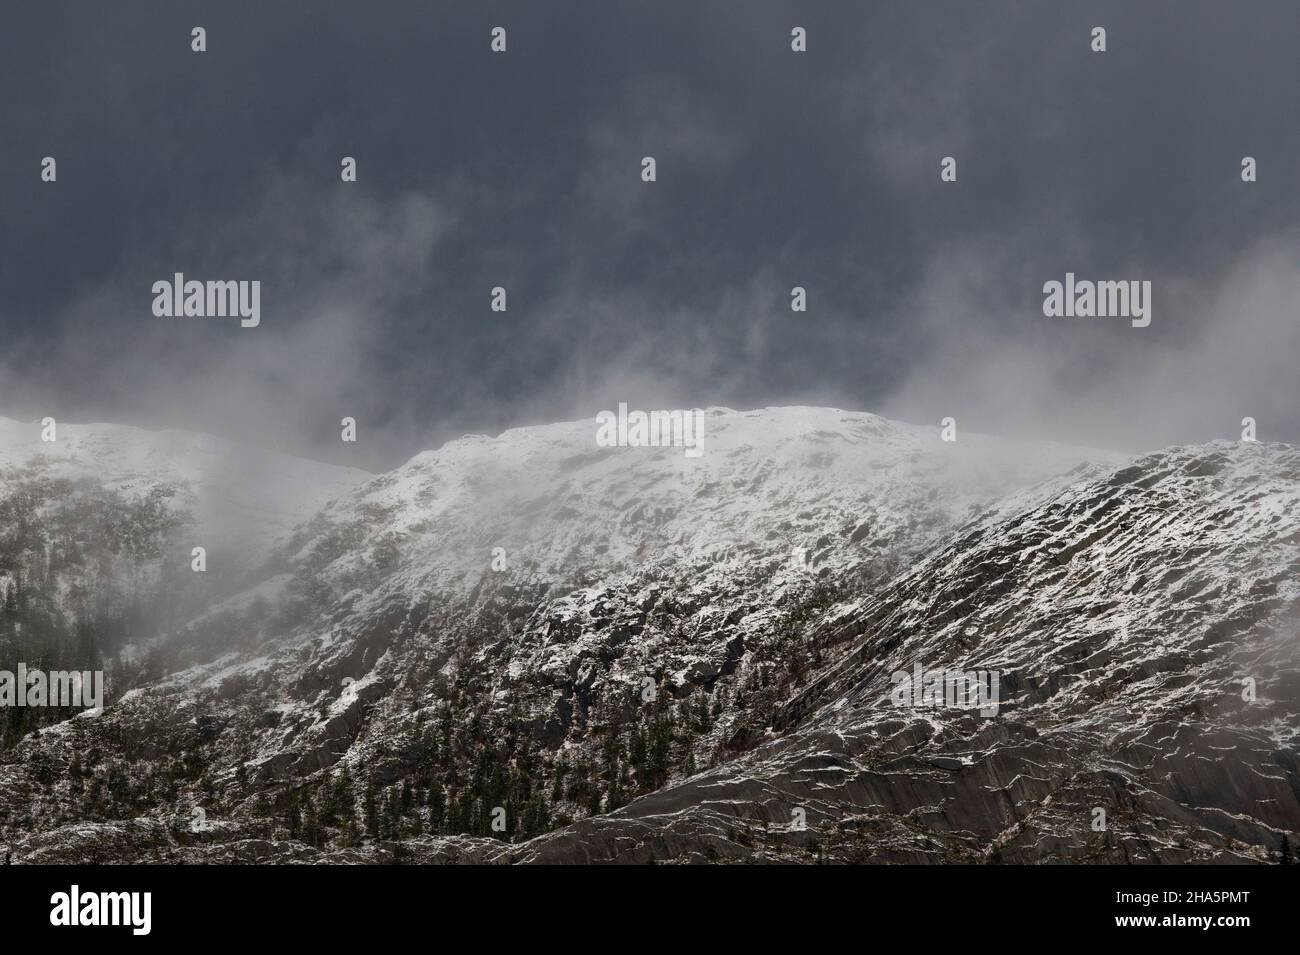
[333,904]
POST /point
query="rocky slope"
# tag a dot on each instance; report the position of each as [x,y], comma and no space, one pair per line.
[1144,624]
[675,655]
[97,529]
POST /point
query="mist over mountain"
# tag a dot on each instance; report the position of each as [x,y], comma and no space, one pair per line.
[425,443]
[817,169]
[532,648]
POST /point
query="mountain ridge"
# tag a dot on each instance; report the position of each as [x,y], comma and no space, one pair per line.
[693,633]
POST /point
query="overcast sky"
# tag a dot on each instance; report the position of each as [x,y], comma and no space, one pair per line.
[775,169]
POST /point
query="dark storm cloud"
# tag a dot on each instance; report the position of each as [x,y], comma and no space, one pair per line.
[775,169]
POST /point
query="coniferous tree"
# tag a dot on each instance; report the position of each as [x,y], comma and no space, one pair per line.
[349,837]
[437,807]
[391,822]
[75,784]
[638,756]
[344,800]
[371,811]
[311,830]
[557,790]
[293,815]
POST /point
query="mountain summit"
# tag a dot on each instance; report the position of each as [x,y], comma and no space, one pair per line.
[533,648]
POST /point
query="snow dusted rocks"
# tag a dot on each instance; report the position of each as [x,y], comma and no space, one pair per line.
[840,485]
[691,659]
[1127,614]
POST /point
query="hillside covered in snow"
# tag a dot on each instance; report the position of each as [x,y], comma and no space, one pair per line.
[532,648]
[98,530]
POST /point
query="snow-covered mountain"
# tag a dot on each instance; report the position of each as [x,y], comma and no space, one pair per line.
[1144,625]
[842,486]
[672,655]
[237,502]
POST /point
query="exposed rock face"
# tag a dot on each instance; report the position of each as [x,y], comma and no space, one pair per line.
[1126,616]
[658,675]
